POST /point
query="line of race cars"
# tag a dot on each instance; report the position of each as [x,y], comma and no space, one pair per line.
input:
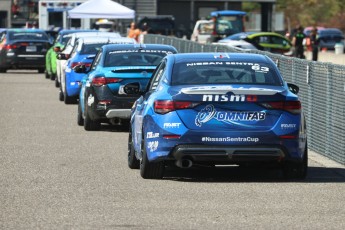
[183,110]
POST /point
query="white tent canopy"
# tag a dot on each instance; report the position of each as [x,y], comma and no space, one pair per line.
[101,9]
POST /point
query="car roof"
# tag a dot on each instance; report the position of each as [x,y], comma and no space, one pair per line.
[330,31]
[70,31]
[139,47]
[209,56]
[96,33]
[24,30]
[264,34]
[103,39]
[238,36]
[227,13]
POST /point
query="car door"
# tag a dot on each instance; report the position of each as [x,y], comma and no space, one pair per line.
[142,106]
[279,44]
[85,82]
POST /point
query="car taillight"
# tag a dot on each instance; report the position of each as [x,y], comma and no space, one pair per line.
[289,106]
[10,47]
[74,64]
[100,81]
[163,107]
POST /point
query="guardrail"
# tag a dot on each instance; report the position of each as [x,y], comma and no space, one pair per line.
[322,92]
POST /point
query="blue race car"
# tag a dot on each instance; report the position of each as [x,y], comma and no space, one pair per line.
[216,108]
[62,38]
[83,53]
[102,99]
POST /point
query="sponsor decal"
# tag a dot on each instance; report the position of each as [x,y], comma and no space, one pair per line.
[255,66]
[141,51]
[150,135]
[152,145]
[171,125]
[90,100]
[288,126]
[230,139]
[209,113]
[223,98]
[223,90]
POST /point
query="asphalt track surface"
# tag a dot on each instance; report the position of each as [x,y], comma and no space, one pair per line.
[56,175]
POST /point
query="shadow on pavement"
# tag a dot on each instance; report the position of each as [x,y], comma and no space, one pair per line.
[228,174]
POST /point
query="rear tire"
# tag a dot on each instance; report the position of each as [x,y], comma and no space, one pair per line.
[2,70]
[47,75]
[297,170]
[52,77]
[89,124]
[80,119]
[68,100]
[61,96]
[57,84]
[150,170]
[133,162]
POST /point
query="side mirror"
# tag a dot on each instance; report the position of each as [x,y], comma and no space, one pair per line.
[80,69]
[62,56]
[293,88]
[132,88]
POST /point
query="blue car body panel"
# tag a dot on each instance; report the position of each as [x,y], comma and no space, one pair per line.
[84,53]
[223,122]
[126,69]
[73,79]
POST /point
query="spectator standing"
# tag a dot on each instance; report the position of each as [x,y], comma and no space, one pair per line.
[297,42]
[15,9]
[314,42]
[134,32]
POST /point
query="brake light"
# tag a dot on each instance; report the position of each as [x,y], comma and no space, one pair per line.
[100,81]
[289,106]
[163,107]
[74,64]
[10,47]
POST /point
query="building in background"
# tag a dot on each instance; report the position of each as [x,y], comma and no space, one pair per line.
[185,12]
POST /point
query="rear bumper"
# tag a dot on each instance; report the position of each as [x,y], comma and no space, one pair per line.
[229,154]
[118,113]
[24,62]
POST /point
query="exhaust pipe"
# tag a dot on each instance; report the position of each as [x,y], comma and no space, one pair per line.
[116,121]
[184,163]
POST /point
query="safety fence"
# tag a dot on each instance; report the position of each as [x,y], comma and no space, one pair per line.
[322,92]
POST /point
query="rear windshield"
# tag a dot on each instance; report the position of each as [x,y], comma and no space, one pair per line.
[135,57]
[28,36]
[194,73]
[65,39]
[91,48]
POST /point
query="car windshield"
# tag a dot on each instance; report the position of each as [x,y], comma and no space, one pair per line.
[229,24]
[134,57]
[194,73]
[28,36]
